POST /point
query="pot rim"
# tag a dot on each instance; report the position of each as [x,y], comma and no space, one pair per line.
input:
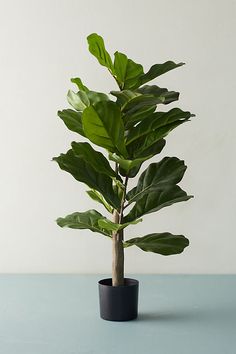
[131,282]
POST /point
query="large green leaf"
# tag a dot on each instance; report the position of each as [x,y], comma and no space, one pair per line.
[158,92]
[125,96]
[138,156]
[156,200]
[95,97]
[159,69]
[127,72]
[132,118]
[79,100]
[120,66]
[98,197]
[97,48]
[113,227]
[86,220]
[141,149]
[73,120]
[144,143]
[140,104]
[168,171]
[136,101]
[103,126]
[163,121]
[96,159]
[130,167]
[78,82]
[82,171]
[144,146]
[163,243]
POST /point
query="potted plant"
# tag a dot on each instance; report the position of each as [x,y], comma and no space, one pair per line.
[130,129]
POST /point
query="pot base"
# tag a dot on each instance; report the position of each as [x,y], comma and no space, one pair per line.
[118,303]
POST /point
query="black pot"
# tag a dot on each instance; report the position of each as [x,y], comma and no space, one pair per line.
[118,303]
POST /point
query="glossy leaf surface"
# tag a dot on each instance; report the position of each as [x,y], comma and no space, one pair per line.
[79,100]
[85,220]
[158,92]
[167,172]
[156,200]
[163,121]
[103,125]
[159,69]
[128,72]
[96,159]
[141,148]
[82,171]
[73,120]
[98,197]
[97,48]
[163,243]
[95,97]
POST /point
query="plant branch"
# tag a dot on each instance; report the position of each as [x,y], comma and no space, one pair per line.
[123,200]
[117,242]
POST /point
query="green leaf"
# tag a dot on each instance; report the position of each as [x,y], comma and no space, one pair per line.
[103,126]
[78,101]
[97,48]
[120,66]
[131,167]
[169,171]
[95,97]
[144,143]
[86,220]
[96,159]
[79,84]
[157,188]
[82,171]
[127,165]
[127,72]
[163,243]
[158,92]
[146,148]
[159,69]
[82,99]
[139,105]
[98,197]
[125,96]
[156,200]
[136,100]
[163,121]
[73,120]
[113,227]
[132,118]
[145,154]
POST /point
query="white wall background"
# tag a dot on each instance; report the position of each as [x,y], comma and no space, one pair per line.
[43,45]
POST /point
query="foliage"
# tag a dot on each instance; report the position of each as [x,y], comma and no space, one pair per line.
[130,129]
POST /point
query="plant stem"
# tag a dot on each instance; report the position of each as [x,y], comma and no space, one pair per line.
[117,244]
[117,255]
[117,237]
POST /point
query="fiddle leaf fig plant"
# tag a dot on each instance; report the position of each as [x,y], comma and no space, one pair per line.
[131,128]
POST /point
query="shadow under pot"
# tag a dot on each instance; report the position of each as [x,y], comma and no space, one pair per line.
[118,303]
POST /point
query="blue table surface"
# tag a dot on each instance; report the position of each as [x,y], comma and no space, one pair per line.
[59,314]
